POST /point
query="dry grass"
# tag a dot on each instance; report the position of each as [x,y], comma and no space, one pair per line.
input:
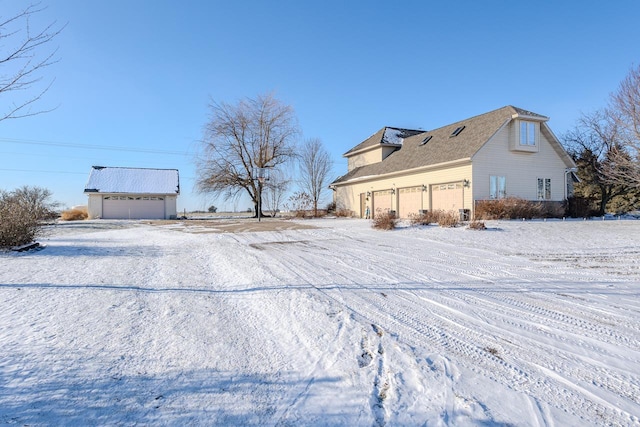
[384,220]
[477,225]
[344,213]
[300,213]
[76,214]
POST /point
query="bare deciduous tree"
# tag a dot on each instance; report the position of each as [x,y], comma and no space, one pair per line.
[592,144]
[22,60]
[254,133]
[275,191]
[624,112]
[315,168]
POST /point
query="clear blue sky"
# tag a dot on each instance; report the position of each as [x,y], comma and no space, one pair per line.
[140,74]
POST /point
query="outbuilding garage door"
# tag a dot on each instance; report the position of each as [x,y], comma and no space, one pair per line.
[409,201]
[132,207]
[447,197]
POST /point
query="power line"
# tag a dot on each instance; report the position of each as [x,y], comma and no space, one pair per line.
[41,171]
[92,147]
[185,178]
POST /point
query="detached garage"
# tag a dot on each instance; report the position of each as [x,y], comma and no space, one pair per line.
[132,193]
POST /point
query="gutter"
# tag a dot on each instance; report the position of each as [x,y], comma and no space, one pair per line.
[404,172]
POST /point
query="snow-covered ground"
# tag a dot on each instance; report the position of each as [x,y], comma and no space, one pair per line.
[525,324]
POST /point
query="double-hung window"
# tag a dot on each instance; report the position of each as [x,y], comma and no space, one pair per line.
[528,133]
[544,188]
[497,187]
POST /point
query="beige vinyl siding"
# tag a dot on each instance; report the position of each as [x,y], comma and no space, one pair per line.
[348,195]
[369,157]
[521,169]
[365,158]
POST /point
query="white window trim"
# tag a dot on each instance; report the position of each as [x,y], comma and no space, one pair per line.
[526,136]
[543,188]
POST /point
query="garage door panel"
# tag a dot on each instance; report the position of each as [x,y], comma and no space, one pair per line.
[447,197]
[133,207]
[381,201]
[409,201]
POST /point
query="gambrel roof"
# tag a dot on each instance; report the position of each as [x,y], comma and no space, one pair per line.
[457,141]
[132,180]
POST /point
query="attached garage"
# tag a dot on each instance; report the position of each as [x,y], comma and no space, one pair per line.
[409,201]
[447,197]
[132,193]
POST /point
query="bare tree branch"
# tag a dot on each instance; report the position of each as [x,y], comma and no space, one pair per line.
[315,168]
[624,112]
[22,62]
[594,145]
[275,190]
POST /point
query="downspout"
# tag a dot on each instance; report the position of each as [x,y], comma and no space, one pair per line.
[566,181]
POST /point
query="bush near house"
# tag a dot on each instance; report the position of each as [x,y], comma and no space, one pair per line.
[448,220]
[440,217]
[516,208]
[384,220]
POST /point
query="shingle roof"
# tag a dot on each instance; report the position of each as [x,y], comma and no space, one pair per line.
[442,147]
[387,135]
[132,180]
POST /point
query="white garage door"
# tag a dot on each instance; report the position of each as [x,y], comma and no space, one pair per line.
[447,197]
[381,202]
[409,201]
[132,207]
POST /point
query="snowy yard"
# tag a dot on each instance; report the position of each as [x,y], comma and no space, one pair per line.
[525,324]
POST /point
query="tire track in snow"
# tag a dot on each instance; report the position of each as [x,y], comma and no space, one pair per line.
[544,357]
[410,329]
[620,385]
[447,337]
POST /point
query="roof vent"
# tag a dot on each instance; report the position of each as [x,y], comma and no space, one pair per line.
[457,131]
[426,139]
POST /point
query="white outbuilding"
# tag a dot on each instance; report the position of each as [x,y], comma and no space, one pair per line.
[132,193]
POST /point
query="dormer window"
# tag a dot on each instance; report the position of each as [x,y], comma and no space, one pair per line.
[528,133]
